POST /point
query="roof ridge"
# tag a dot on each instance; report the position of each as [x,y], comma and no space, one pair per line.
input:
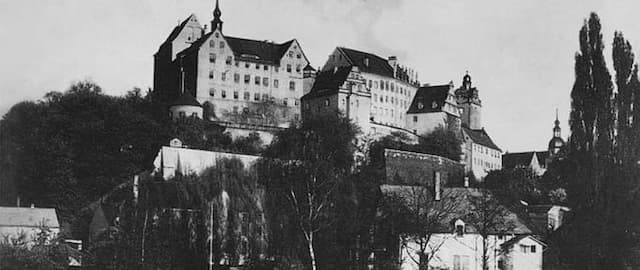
[256,40]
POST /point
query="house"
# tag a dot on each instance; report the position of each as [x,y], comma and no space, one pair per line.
[456,240]
[21,224]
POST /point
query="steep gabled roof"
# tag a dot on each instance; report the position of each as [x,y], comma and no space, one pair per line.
[522,159]
[427,96]
[328,82]
[457,202]
[480,137]
[258,51]
[375,65]
[176,30]
[28,217]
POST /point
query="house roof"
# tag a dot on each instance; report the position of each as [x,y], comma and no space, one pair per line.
[517,239]
[258,51]
[458,203]
[375,65]
[480,137]
[186,99]
[176,30]
[328,82]
[28,217]
[522,159]
[429,99]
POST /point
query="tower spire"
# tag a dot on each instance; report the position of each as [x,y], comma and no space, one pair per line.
[217,22]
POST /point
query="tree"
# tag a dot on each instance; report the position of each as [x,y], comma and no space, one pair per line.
[305,166]
[418,216]
[488,217]
[441,142]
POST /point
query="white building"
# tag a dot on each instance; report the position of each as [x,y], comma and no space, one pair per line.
[27,223]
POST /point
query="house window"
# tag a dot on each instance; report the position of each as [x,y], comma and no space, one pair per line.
[212,92]
[247,78]
[297,102]
[217,35]
[265,81]
[277,69]
[211,74]
[229,60]
[212,57]
[235,94]
[415,118]
[460,262]
[326,103]
[257,80]
[224,76]
[292,85]
[298,68]
[246,65]
[247,96]
[223,94]
[256,97]
[275,83]
[236,78]
[212,43]
[298,56]
[286,101]
[533,249]
[221,44]
[266,67]
[257,66]
[288,68]
[291,54]
[459,230]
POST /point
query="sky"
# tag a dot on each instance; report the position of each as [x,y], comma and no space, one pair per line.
[520,54]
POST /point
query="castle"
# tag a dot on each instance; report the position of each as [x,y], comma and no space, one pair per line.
[250,85]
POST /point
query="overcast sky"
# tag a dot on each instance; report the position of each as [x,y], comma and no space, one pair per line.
[519,53]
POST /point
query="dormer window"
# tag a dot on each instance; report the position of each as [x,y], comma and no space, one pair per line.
[459,228]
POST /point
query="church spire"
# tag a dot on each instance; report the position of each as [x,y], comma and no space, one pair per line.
[217,22]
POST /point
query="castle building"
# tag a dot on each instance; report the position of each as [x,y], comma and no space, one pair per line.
[536,161]
[240,83]
[433,107]
[374,92]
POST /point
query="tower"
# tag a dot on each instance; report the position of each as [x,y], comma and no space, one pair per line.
[556,143]
[469,101]
[216,23]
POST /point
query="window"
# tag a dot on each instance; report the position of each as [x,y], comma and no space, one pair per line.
[257,66]
[533,249]
[265,97]
[275,83]
[291,54]
[265,81]
[212,43]
[224,76]
[256,97]
[182,114]
[460,262]
[221,44]
[217,35]
[247,78]
[247,96]
[257,80]
[288,68]
[212,92]
[266,67]
[235,94]
[297,102]
[298,68]
[237,63]
[292,85]
[246,65]
[285,101]
[370,83]
[212,57]
[277,69]
[415,119]
[236,78]
[229,60]
[326,103]
[459,229]
[223,94]
[211,74]
[298,56]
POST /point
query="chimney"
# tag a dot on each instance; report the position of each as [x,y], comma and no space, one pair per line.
[436,179]
[466,181]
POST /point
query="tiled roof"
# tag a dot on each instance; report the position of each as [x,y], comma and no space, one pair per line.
[428,96]
[522,159]
[258,51]
[328,82]
[186,99]
[28,217]
[375,65]
[480,137]
[461,200]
